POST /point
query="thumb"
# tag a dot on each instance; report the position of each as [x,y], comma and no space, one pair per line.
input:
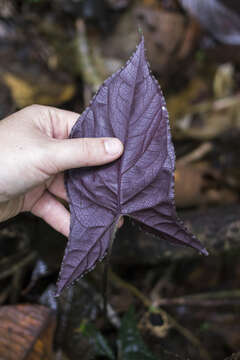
[73,153]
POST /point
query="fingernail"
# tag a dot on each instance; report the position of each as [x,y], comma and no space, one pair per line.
[113,146]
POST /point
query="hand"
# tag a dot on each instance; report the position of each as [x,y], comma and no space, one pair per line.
[34,152]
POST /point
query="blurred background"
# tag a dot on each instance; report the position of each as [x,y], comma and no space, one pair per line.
[163,302]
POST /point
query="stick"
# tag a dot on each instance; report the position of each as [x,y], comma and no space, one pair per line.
[147,303]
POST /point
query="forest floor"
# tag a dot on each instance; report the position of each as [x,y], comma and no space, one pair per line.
[164,302]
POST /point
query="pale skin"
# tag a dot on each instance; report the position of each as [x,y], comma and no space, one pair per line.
[35,150]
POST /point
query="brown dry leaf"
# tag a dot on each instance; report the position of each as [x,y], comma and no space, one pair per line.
[189,184]
[207,121]
[196,184]
[36,323]
[179,104]
[163,31]
[25,91]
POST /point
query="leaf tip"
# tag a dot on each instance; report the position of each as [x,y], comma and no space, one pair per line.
[60,286]
[58,292]
[140,31]
[204,252]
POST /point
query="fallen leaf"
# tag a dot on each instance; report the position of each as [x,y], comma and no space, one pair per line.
[220,20]
[129,106]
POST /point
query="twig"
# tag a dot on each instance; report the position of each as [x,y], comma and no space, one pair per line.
[105,287]
[84,60]
[162,282]
[8,260]
[4,294]
[217,105]
[111,314]
[147,303]
[196,154]
[28,259]
[205,299]
[198,302]
[227,102]
[16,286]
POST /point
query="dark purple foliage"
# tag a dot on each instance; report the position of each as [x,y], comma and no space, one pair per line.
[131,107]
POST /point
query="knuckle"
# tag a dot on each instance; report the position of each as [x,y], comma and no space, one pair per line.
[33,107]
[86,150]
[91,151]
[32,111]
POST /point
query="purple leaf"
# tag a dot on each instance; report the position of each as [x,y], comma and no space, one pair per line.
[131,107]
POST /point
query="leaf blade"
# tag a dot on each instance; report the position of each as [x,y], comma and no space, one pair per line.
[130,106]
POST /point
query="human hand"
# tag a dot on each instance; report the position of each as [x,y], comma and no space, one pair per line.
[35,150]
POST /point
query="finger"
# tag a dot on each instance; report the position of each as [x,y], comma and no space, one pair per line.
[62,121]
[57,187]
[74,153]
[53,212]
[56,123]
[120,222]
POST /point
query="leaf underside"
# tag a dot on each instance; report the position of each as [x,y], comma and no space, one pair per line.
[130,106]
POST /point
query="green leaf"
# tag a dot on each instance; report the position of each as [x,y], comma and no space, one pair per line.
[130,343]
[95,338]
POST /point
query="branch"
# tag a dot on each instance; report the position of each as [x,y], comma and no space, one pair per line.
[116,280]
